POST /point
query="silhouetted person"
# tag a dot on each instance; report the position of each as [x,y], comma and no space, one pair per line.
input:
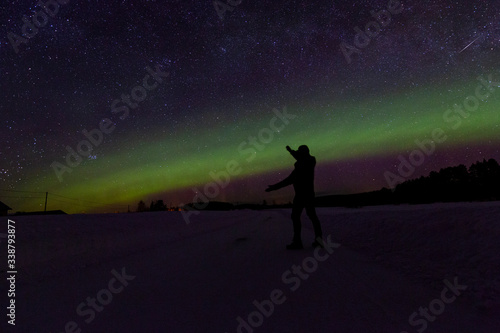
[302,179]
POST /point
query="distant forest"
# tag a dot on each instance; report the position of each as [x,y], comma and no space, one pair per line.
[155,206]
[479,182]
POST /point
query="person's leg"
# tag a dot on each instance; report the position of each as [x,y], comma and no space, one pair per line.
[311,213]
[298,206]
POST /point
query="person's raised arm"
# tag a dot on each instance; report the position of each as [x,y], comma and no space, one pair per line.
[294,153]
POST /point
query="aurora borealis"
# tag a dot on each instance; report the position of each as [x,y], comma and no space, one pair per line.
[227,79]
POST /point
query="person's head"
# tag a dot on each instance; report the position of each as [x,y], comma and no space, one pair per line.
[303,150]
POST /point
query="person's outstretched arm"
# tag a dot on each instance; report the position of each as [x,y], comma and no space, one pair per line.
[285,182]
[294,153]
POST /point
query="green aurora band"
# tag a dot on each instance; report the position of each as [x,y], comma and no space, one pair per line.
[381,126]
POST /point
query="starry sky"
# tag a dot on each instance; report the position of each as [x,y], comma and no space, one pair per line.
[229,86]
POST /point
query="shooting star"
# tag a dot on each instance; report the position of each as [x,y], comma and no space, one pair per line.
[465,48]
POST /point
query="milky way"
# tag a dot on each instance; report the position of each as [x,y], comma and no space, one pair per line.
[363,84]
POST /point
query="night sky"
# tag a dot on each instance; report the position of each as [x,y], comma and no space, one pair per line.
[180,93]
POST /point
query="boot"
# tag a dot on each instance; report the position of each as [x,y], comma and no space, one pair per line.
[318,242]
[295,245]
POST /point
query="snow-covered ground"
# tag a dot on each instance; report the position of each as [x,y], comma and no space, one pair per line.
[432,268]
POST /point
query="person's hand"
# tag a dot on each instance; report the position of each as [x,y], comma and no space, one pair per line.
[270,188]
[288,148]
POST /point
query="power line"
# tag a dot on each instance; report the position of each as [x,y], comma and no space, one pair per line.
[21,191]
[93,202]
[74,203]
[80,202]
[9,196]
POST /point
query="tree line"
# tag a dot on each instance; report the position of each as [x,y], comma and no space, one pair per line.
[155,206]
[479,182]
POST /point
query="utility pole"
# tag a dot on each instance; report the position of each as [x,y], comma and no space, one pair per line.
[46,195]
